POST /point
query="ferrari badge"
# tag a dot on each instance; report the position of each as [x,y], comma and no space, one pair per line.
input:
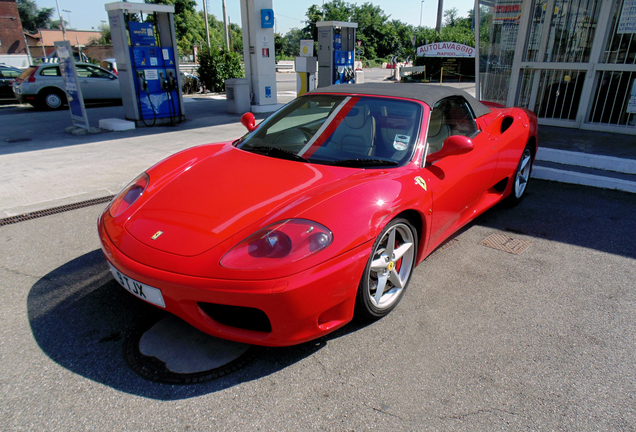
[157,234]
[420,181]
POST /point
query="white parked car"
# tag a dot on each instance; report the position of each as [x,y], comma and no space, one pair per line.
[42,86]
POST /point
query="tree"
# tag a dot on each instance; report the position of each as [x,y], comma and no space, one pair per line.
[216,66]
[57,24]
[105,38]
[450,17]
[372,22]
[381,37]
[335,10]
[32,17]
[288,46]
[372,30]
[189,25]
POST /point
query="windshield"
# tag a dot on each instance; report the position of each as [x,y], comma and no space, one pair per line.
[351,131]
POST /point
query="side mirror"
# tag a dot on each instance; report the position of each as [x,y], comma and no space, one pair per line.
[248,121]
[453,145]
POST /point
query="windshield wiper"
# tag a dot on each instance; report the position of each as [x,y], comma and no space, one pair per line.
[277,152]
[360,163]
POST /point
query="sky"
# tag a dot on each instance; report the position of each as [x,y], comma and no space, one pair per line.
[87,14]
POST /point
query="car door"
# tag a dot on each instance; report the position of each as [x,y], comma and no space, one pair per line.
[457,183]
[6,79]
[97,83]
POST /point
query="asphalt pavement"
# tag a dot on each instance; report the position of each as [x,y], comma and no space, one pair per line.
[483,339]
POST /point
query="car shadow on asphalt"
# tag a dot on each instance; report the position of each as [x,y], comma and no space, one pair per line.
[80,317]
[588,217]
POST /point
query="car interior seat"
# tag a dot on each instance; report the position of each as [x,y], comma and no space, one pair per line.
[356,133]
[438,131]
[404,125]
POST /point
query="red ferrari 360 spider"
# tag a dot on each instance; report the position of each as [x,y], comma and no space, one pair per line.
[321,211]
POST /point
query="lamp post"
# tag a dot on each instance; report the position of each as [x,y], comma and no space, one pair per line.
[69,17]
[440,11]
[61,20]
[421,7]
[207,23]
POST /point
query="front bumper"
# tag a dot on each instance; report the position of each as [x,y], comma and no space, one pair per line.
[301,307]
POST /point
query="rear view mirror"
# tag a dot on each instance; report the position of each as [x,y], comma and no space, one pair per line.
[453,146]
[248,121]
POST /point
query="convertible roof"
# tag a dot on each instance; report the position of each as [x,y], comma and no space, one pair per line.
[427,93]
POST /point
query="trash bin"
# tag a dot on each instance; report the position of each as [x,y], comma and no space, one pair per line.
[359,76]
[237,93]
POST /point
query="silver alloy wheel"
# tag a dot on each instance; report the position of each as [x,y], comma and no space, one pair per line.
[523,173]
[53,100]
[391,266]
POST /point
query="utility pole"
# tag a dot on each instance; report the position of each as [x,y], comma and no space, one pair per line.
[227,33]
[59,13]
[207,24]
[440,11]
[421,7]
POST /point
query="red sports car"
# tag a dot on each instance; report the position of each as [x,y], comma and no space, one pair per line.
[320,212]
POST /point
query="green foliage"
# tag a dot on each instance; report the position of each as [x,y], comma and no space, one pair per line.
[32,17]
[450,17]
[288,46]
[105,38]
[383,38]
[190,28]
[217,34]
[57,24]
[216,66]
[188,24]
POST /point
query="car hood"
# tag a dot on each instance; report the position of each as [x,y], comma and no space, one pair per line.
[222,195]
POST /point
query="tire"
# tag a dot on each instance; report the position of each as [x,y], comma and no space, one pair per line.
[390,268]
[521,177]
[52,99]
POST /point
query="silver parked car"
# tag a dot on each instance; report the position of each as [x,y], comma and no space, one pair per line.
[42,86]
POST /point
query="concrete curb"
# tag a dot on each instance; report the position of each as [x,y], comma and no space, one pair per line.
[564,176]
[606,163]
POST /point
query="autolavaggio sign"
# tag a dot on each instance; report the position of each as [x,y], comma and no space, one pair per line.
[445,49]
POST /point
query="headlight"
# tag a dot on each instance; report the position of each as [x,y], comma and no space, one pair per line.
[129,195]
[278,244]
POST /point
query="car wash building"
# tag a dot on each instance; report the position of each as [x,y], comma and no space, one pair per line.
[572,62]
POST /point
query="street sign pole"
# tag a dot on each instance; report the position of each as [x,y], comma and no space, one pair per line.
[71,84]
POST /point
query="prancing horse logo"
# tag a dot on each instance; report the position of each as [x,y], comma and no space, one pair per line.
[157,234]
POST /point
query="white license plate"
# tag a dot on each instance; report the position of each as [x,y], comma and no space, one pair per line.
[143,291]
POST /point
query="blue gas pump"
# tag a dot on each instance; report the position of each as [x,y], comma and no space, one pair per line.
[343,62]
[155,73]
[147,61]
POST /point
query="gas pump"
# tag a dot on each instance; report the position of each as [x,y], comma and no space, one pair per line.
[306,67]
[148,67]
[336,45]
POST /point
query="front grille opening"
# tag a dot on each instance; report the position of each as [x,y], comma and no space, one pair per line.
[245,318]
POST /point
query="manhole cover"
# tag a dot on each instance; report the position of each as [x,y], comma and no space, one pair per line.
[18,140]
[506,244]
[174,352]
